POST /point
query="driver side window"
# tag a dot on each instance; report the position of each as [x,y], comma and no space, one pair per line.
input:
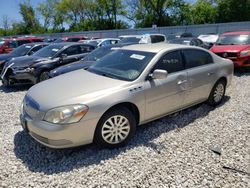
[72,50]
[171,62]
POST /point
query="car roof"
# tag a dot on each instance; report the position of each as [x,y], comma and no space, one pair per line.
[35,43]
[154,48]
[237,33]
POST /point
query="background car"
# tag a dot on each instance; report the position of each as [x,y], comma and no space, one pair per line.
[101,42]
[7,45]
[143,39]
[87,61]
[172,36]
[234,46]
[130,86]
[25,49]
[209,39]
[35,68]
[189,41]
[70,39]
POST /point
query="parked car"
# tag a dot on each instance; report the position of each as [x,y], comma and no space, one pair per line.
[128,87]
[70,39]
[101,42]
[234,46]
[209,39]
[172,36]
[85,62]
[25,49]
[35,68]
[7,45]
[142,39]
[190,41]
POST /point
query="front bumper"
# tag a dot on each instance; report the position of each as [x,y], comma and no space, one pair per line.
[241,62]
[59,136]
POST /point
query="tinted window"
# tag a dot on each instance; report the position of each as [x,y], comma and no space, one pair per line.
[73,39]
[86,49]
[49,51]
[196,58]
[21,50]
[12,44]
[35,49]
[170,62]
[21,42]
[72,50]
[157,38]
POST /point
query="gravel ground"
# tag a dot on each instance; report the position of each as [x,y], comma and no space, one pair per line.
[174,151]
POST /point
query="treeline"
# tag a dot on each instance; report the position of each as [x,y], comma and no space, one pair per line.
[83,15]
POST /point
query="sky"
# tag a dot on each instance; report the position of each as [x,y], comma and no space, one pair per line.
[10,8]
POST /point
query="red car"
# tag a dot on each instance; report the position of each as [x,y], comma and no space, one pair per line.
[7,45]
[234,46]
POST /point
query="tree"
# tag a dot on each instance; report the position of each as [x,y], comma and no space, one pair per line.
[30,22]
[233,10]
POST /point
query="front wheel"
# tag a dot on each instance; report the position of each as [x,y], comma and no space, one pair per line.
[44,76]
[115,128]
[217,94]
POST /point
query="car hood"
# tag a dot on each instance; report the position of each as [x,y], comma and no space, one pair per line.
[71,67]
[73,88]
[26,61]
[229,48]
[5,57]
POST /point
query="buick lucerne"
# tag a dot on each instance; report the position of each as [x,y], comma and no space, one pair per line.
[128,87]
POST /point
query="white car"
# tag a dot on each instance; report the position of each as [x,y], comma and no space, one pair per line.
[143,39]
[101,42]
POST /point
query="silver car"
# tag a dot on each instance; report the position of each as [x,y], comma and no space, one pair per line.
[129,87]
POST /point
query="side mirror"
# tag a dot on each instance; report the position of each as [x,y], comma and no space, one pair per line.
[63,56]
[159,74]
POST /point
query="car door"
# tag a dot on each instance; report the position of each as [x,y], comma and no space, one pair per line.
[166,95]
[201,72]
[72,53]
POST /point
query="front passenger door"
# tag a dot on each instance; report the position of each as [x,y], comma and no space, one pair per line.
[166,95]
[72,53]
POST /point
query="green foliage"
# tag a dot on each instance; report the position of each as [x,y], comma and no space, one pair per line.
[84,15]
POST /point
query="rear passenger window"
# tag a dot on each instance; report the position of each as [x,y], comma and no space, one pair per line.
[195,58]
[73,50]
[86,49]
[170,62]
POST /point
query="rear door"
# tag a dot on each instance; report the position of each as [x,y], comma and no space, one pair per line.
[201,72]
[166,95]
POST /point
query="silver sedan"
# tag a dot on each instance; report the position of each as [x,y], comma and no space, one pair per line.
[129,87]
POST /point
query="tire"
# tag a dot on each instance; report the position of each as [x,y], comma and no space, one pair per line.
[115,128]
[217,93]
[44,76]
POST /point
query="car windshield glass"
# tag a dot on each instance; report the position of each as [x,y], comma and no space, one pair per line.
[122,64]
[21,50]
[130,39]
[1,42]
[233,39]
[59,40]
[97,54]
[48,51]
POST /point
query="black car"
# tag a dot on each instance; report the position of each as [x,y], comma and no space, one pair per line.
[192,41]
[87,61]
[35,68]
[25,49]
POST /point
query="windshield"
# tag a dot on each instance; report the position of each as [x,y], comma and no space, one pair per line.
[98,54]
[122,64]
[2,42]
[233,39]
[21,50]
[48,51]
[130,40]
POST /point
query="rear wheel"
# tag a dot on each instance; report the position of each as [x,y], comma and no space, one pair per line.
[44,76]
[217,94]
[115,128]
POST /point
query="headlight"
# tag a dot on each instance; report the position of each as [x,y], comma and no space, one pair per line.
[66,114]
[245,53]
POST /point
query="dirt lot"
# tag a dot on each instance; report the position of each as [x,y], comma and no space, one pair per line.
[174,151]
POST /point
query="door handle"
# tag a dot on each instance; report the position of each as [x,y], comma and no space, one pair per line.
[181,82]
[210,73]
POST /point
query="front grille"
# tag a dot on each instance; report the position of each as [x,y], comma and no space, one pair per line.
[227,54]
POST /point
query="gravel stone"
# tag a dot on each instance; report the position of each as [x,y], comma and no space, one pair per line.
[170,152]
